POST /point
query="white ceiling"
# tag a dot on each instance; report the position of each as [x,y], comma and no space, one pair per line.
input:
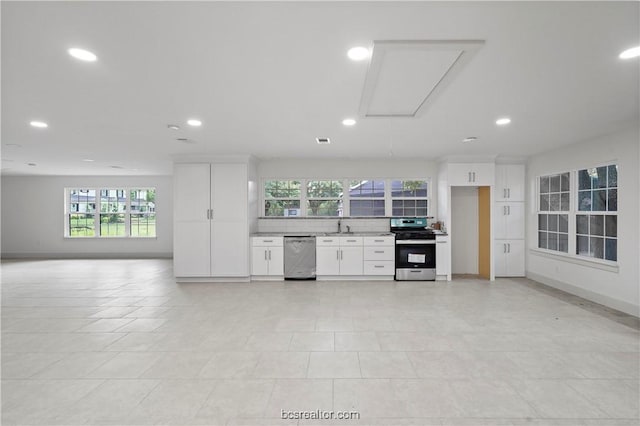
[268,78]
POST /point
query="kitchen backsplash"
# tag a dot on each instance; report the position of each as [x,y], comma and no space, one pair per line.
[323,225]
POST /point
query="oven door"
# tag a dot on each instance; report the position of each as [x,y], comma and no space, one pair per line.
[415,260]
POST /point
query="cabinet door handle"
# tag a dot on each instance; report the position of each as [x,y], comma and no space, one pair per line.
[269,254]
[469,178]
[341,255]
[208,217]
[378,251]
[508,192]
[474,176]
[504,210]
[440,242]
[504,248]
[508,247]
[265,255]
[378,266]
[267,241]
[379,241]
[351,241]
[337,254]
[509,210]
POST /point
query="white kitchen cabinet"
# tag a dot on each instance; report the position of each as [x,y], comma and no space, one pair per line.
[509,220]
[267,256]
[379,256]
[471,174]
[443,256]
[509,182]
[509,258]
[210,220]
[339,256]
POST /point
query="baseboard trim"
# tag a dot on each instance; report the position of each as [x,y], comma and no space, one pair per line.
[58,255]
[619,305]
[213,279]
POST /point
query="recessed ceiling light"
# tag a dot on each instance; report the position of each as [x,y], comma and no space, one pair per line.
[470,139]
[358,53]
[83,55]
[88,160]
[39,124]
[348,121]
[117,167]
[194,122]
[185,140]
[173,126]
[323,141]
[634,52]
[503,121]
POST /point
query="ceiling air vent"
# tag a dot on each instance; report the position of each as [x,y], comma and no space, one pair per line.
[323,141]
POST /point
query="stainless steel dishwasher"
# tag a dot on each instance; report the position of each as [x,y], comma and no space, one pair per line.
[300,258]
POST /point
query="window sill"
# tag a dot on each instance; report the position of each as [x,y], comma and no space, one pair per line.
[592,263]
[66,237]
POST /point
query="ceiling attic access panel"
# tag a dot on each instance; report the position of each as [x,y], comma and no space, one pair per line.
[406,76]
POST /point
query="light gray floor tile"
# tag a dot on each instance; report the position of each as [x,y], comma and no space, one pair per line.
[280,365]
[321,341]
[17,365]
[126,365]
[334,365]
[141,325]
[105,325]
[385,365]
[230,365]
[237,398]
[490,399]
[617,398]
[300,395]
[357,341]
[76,365]
[175,399]
[268,342]
[178,365]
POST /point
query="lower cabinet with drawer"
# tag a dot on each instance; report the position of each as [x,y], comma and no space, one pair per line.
[267,257]
[379,256]
[338,256]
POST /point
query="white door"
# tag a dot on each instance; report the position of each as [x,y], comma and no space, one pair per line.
[501,183]
[229,250]
[442,255]
[191,255]
[351,261]
[500,221]
[327,260]
[191,187]
[515,258]
[514,221]
[229,192]
[259,261]
[276,260]
[483,174]
[514,176]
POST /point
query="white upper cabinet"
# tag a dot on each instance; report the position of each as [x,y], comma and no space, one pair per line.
[471,174]
[509,182]
[509,220]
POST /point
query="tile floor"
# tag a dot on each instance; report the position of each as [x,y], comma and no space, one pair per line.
[118,342]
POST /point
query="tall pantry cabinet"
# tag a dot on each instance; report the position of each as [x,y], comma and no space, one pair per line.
[211,220]
[509,247]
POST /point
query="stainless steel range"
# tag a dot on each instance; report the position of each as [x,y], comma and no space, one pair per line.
[415,249]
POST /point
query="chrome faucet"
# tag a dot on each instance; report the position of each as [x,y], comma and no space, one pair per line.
[348,229]
[339,226]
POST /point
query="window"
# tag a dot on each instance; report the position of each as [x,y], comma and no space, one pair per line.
[344,197]
[553,228]
[578,212]
[324,198]
[121,212]
[597,218]
[366,198]
[409,197]
[282,198]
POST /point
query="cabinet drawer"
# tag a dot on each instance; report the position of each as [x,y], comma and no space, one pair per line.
[379,241]
[350,241]
[267,241]
[327,241]
[379,253]
[379,267]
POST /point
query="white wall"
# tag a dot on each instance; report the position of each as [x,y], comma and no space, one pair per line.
[33,218]
[617,289]
[377,168]
[464,230]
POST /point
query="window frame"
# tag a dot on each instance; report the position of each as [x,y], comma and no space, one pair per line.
[573,213]
[554,212]
[97,212]
[346,199]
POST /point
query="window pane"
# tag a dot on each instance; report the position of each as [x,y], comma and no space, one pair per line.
[584,200]
[409,188]
[544,184]
[612,176]
[564,182]
[143,200]
[324,189]
[81,225]
[366,188]
[564,202]
[112,201]
[367,207]
[553,222]
[612,200]
[282,189]
[552,241]
[554,202]
[597,225]
[597,247]
[143,225]
[599,200]
[563,243]
[563,223]
[82,200]
[324,207]
[584,180]
[112,225]
[582,224]
[600,178]
[611,226]
[582,246]
[611,249]
[544,202]
[554,183]
[282,208]
[542,222]
[542,240]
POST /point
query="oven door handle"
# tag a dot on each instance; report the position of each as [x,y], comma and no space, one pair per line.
[415,242]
